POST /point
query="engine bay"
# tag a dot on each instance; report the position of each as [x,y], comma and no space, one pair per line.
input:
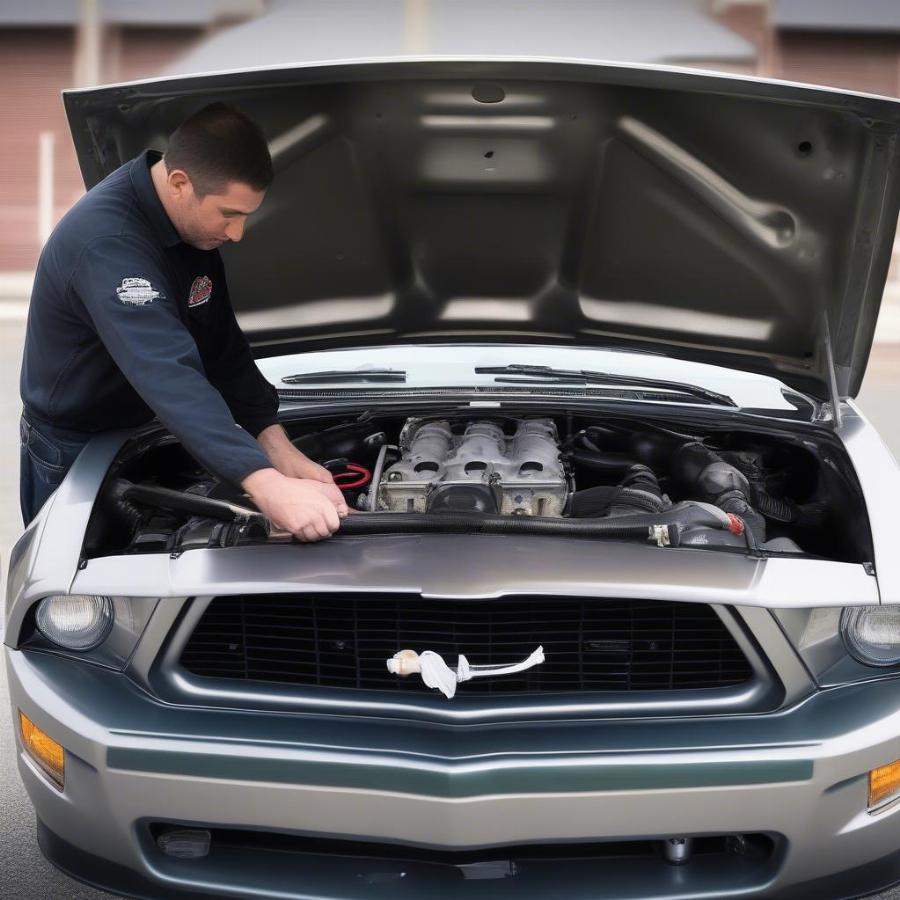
[763,491]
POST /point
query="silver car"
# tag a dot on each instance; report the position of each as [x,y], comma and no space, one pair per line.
[618,610]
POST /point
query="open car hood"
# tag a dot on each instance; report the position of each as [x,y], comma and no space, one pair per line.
[710,217]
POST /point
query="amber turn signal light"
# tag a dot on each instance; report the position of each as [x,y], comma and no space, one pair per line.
[49,756]
[884,784]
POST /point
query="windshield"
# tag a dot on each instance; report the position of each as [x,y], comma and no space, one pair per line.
[435,366]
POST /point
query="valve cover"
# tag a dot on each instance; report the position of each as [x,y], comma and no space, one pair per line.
[479,468]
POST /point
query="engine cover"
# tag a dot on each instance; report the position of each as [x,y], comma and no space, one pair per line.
[483,469]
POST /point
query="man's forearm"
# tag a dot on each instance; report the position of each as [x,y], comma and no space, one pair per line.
[259,481]
[287,459]
[274,440]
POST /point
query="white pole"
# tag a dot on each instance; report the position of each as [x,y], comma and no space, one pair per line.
[415,27]
[46,141]
[88,54]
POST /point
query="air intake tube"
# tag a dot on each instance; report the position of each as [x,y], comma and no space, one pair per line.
[638,492]
[708,477]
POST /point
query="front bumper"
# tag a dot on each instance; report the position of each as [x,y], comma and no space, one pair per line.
[798,776]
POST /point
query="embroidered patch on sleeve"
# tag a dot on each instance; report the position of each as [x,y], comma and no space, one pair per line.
[201,291]
[137,292]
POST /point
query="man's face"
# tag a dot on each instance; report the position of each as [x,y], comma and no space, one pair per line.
[210,221]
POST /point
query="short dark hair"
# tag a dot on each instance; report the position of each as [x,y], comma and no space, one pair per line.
[219,144]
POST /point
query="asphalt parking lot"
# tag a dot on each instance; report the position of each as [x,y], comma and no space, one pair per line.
[23,871]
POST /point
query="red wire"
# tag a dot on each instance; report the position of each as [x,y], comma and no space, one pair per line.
[358,475]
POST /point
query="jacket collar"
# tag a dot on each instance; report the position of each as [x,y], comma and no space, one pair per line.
[149,200]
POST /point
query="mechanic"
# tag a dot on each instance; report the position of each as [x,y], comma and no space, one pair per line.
[130,317]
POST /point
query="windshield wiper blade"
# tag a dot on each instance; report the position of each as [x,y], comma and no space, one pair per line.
[371,376]
[530,374]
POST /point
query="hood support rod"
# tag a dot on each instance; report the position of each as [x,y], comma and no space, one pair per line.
[833,394]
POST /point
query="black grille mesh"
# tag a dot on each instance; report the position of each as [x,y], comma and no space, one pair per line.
[343,641]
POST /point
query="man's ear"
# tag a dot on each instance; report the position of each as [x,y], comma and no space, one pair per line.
[179,183]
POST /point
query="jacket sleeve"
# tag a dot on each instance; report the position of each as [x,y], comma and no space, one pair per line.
[131,301]
[252,399]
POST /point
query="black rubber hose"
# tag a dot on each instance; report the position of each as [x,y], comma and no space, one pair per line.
[636,500]
[593,501]
[607,462]
[453,523]
[686,515]
[179,501]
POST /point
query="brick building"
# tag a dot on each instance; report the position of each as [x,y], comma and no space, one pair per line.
[833,42]
[45,46]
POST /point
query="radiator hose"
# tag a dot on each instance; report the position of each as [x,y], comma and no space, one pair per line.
[664,528]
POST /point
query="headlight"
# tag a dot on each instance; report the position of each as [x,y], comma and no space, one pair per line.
[76,622]
[872,634]
[95,629]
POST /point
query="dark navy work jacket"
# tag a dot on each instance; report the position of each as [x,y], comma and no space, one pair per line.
[127,322]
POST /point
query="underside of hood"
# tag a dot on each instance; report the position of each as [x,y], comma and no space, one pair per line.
[708,217]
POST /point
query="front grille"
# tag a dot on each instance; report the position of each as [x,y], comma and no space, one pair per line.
[342,641]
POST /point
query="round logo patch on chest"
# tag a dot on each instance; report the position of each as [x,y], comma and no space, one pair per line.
[201,291]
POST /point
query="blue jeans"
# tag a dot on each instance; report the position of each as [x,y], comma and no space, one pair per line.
[45,455]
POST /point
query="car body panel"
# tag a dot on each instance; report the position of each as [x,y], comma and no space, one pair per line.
[879,478]
[371,778]
[46,558]
[479,566]
[719,218]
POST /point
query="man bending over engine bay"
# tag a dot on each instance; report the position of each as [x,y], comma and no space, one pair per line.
[130,317]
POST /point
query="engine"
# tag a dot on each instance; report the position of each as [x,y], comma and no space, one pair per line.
[480,468]
[613,476]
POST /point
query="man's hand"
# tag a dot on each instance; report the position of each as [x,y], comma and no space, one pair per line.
[310,510]
[288,459]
